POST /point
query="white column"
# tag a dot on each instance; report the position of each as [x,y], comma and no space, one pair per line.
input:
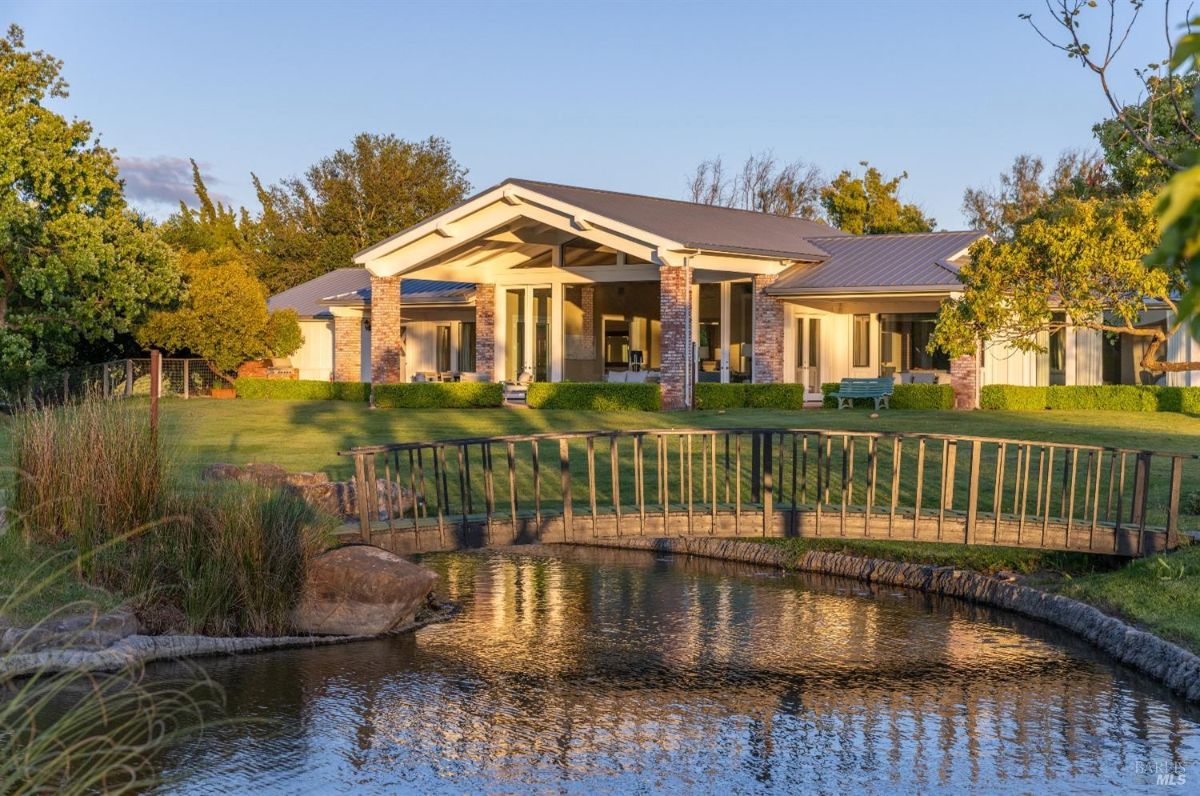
[557,340]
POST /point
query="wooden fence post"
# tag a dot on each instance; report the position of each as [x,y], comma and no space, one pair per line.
[1173,502]
[186,379]
[128,378]
[155,387]
[973,491]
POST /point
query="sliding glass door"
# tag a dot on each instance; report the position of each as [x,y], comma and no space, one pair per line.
[527,333]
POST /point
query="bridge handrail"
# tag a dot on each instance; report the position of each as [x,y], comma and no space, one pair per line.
[1121,527]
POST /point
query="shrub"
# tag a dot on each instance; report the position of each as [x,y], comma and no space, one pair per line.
[923,396]
[1108,397]
[1012,398]
[775,396]
[599,396]
[1115,397]
[711,395]
[302,390]
[439,395]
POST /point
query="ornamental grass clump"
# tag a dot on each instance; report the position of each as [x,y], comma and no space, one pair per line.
[85,473]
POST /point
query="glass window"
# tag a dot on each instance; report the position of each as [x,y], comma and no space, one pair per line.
[741,331]
[862,341]
[514,333]
[466,347]
[903,342]
[541,334]
[443,349]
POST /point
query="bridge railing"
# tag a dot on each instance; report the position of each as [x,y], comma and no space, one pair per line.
[573,486]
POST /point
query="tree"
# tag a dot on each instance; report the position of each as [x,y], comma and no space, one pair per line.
[1024,189]
[224,318]
[77,267]
[868,205]
[763,185]
[350,200]
[1072,263]
[1146,141]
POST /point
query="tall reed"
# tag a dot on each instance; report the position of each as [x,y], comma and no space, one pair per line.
[85,472]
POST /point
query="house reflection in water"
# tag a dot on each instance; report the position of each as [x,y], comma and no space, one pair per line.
[575,668]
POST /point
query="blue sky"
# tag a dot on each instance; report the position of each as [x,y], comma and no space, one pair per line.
[626,96]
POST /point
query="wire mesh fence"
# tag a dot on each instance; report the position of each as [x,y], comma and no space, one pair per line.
[124,378]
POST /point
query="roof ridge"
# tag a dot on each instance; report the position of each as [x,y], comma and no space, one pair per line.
[672,201]
[852,236]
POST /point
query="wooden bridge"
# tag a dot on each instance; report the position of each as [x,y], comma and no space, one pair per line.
[563,487]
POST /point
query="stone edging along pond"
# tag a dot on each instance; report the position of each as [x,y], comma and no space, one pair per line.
[1167,663]
[139,649]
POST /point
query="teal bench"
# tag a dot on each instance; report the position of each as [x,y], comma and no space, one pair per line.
[879,390]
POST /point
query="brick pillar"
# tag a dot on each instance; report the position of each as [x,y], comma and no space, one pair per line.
[485,331]
[587,334]
[675,300]
[387,347]
[347,348]
[964,375]
[768,333]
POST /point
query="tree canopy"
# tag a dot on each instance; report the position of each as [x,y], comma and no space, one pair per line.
[869,204]
[224,318]
[77,267]
[763,185]
[350,200]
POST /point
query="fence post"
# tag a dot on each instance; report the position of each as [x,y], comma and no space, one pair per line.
[973,491]
[1173,502]
[128,378]
[155,387]
[106,380]
[187,381]
[360,477]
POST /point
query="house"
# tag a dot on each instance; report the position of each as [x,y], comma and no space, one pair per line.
[570,283]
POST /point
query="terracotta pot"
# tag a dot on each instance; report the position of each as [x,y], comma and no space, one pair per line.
[224,392]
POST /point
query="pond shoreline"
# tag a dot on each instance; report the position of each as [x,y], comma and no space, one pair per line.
[139,649]
[1168,663]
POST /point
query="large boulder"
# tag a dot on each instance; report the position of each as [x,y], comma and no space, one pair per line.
[339,498]
[361,590]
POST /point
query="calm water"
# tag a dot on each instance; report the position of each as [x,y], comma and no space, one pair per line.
[612,671]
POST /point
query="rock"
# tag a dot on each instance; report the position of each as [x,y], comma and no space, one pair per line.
[360,590]
[86,631]
[339,498]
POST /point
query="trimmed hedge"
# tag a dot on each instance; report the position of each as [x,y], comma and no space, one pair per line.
[775,396]
[1109,397]
[301,390]
[439,395]
[713,395]
[904,396]
[923,396]
[598,396]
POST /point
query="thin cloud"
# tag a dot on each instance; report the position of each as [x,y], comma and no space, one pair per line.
[163,180]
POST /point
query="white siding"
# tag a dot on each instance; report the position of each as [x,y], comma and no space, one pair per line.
[314,360]
[1087,347]
[1182,347]
[1003,364]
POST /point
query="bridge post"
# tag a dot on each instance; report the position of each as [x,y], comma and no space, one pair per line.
[1173,502]
[973,491]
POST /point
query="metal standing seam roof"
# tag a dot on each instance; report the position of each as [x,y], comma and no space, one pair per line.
[913,260]
[697,226]
[353,285]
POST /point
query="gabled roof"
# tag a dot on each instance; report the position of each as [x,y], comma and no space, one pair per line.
[696,226]
[882,262]
[679,224]
[311,299]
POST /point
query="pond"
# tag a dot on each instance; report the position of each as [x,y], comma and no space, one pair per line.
[587,670]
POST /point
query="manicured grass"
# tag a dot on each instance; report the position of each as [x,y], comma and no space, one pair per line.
[306,435]
[1160,593]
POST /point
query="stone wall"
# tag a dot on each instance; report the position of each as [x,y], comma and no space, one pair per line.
[347,348]
[675,297]
[485,331]
[768,333]
[964,375]
[387,346]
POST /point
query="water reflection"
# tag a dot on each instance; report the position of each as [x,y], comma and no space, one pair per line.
[575,669]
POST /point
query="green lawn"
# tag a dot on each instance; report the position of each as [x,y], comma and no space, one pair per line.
[1164,596]
[306,435]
